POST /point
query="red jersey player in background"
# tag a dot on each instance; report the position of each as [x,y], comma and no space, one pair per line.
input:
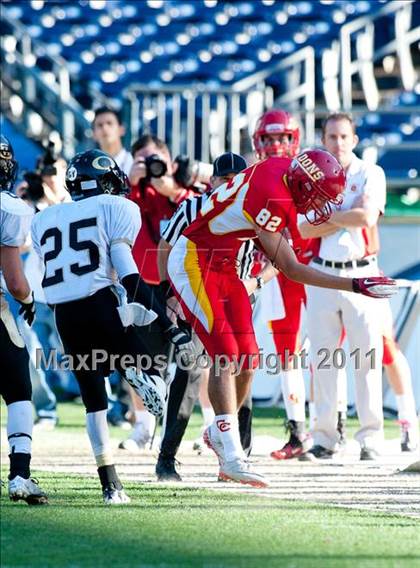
[260,202]
[277,134]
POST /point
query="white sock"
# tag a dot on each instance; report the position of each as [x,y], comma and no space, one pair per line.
[226,426]
[293,389]
[405,402]
[312,416]
[341,391]
[208,415]
[20,420]
[406,408]
[146,421]
[98,432]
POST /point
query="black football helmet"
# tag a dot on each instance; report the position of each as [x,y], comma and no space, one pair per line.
[8,165]
[94,172]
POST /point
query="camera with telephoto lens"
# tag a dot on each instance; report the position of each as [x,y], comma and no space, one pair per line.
[45,166]
[192,172]
[155,166]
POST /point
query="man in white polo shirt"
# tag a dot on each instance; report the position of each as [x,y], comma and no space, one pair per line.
[349,244]
[108,132]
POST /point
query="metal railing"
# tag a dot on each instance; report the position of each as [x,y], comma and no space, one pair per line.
[203,122]
[47,94]
[360,35]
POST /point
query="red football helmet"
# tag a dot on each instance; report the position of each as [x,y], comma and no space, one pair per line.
[276,122]
[316,181]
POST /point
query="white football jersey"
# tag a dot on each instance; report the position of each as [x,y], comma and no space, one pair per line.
[16,219]
[74,240]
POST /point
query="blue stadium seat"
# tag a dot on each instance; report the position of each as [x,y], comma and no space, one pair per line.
[401,163]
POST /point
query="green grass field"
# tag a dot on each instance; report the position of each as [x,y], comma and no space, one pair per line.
[179,526]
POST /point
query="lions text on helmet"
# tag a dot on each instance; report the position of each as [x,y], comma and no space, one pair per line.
[316,181]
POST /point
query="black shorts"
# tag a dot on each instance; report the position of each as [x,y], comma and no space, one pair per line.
[15,382]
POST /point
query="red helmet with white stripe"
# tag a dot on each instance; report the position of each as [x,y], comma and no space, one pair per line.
[276,122]
[316,181]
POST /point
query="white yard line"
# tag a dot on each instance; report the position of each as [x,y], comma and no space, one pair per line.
[345,483]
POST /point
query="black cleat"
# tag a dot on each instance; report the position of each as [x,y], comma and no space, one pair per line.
[165,469]
[317,453]
[368,454]
[299,442]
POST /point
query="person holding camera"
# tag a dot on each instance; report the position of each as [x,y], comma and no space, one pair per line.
[157,188]
[108,132]
[42,188]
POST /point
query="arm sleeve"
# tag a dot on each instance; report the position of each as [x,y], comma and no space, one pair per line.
[122,221]
[122,259]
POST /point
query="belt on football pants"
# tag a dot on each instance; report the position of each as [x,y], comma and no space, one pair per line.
[347,264]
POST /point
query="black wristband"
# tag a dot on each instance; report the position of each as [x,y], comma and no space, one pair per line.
[355,285]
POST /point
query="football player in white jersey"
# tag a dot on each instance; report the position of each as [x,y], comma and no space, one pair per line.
[93,283]
[15,385]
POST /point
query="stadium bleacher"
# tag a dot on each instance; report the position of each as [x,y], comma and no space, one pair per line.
[108,45]
[111,44]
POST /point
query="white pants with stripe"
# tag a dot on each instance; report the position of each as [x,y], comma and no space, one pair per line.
[327,312]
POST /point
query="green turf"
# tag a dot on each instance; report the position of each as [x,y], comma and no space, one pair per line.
[166,526]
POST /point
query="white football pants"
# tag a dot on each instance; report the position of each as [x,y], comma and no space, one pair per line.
[327,311]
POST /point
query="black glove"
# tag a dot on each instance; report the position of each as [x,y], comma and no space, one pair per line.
[184,347]
[28,311]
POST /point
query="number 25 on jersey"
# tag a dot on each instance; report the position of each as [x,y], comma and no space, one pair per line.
[76,244]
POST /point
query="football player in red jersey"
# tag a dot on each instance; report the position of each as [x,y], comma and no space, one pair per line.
[260,202]
[277,134]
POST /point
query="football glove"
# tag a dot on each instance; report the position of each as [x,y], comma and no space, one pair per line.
[27,310]
[375,287]
[184,347]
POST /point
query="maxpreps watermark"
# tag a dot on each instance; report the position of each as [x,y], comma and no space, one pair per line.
[272,363]
[95,359]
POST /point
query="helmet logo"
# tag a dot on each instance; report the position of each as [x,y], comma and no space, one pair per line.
[274,127]
[309,167]
[5,151]
[71,173]
[103,163]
